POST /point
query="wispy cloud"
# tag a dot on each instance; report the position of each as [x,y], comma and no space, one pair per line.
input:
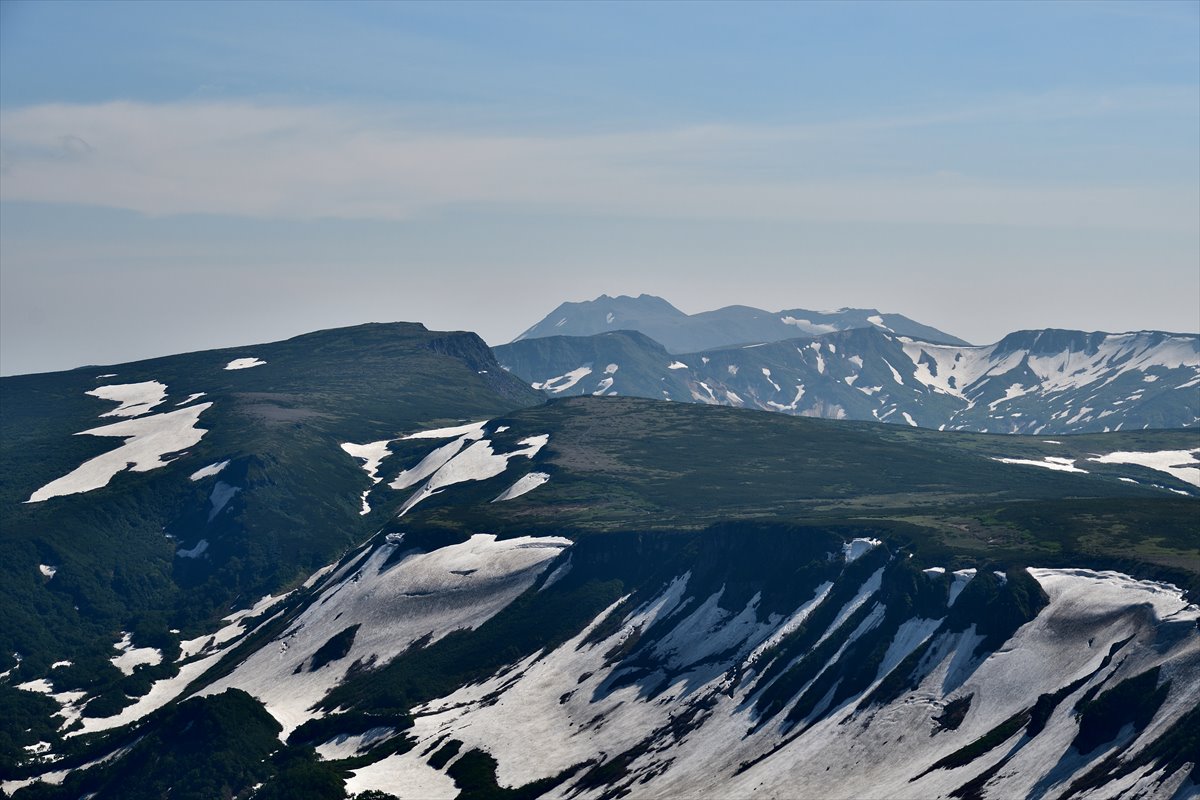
[301,162]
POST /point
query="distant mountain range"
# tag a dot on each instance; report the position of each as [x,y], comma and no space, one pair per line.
[1036,382]
[371,562]
[687,333]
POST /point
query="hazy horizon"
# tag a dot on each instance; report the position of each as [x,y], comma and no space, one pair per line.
[174,179]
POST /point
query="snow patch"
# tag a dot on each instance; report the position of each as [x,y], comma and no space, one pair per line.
[1050,462]
[209,471]
[446,433]
[244,363]
[857,548]
[1176,463]
[476,463]
[524,484]
[560,384]
[222,493]
[131,657]
[194,552]
[458,587]
[135,398]
[147,440]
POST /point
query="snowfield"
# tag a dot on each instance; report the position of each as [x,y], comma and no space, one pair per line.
[477,462]
[131,657]
[423,594]
[134,398]
[1049,462]
[1176,463]
[148,442]
[565,709]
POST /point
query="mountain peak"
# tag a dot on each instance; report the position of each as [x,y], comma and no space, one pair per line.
[730,325]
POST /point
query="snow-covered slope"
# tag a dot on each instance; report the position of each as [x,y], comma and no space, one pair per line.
[379,606]
[680,713]
[1037,382]
[868,677]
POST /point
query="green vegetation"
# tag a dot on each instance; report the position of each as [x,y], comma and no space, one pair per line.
[280,425]
[1133,701]
[475,774]
[204,748]
[335,649]
[748,503]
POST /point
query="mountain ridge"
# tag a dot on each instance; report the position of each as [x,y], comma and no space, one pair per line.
[734,324]
[478,591]
[1028,382]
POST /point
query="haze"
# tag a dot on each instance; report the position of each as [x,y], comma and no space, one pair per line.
[185,176]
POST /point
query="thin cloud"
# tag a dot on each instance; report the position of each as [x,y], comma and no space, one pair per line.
[302,162]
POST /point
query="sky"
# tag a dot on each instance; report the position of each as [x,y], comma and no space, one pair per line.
[183,176]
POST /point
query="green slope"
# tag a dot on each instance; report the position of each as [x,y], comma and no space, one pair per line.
[630,464]
[280,425]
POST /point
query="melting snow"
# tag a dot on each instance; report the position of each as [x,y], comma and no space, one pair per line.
[194,552]
[563,382]
[434,461]
[1050,462]
[677,365]
[961,578]
[604,385]
[132,657]
[134,398]
[807,326]
[877,321]
[857,548]
[47,570]
[190,398]
[476,463]
[446,433]
[244,363]
[816,348]
[403,775]
[222,493]
[524,484]
[209,471]
[1176,463]
[147,440]
[426,594]
[372,455]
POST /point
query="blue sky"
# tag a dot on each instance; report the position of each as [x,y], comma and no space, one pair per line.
[179,176]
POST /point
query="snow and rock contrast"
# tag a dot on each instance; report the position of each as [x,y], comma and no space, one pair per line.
[381,605]
[1033,382]
[685,694]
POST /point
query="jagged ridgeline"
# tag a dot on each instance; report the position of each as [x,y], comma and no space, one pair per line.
[1036,382]
[598,597]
